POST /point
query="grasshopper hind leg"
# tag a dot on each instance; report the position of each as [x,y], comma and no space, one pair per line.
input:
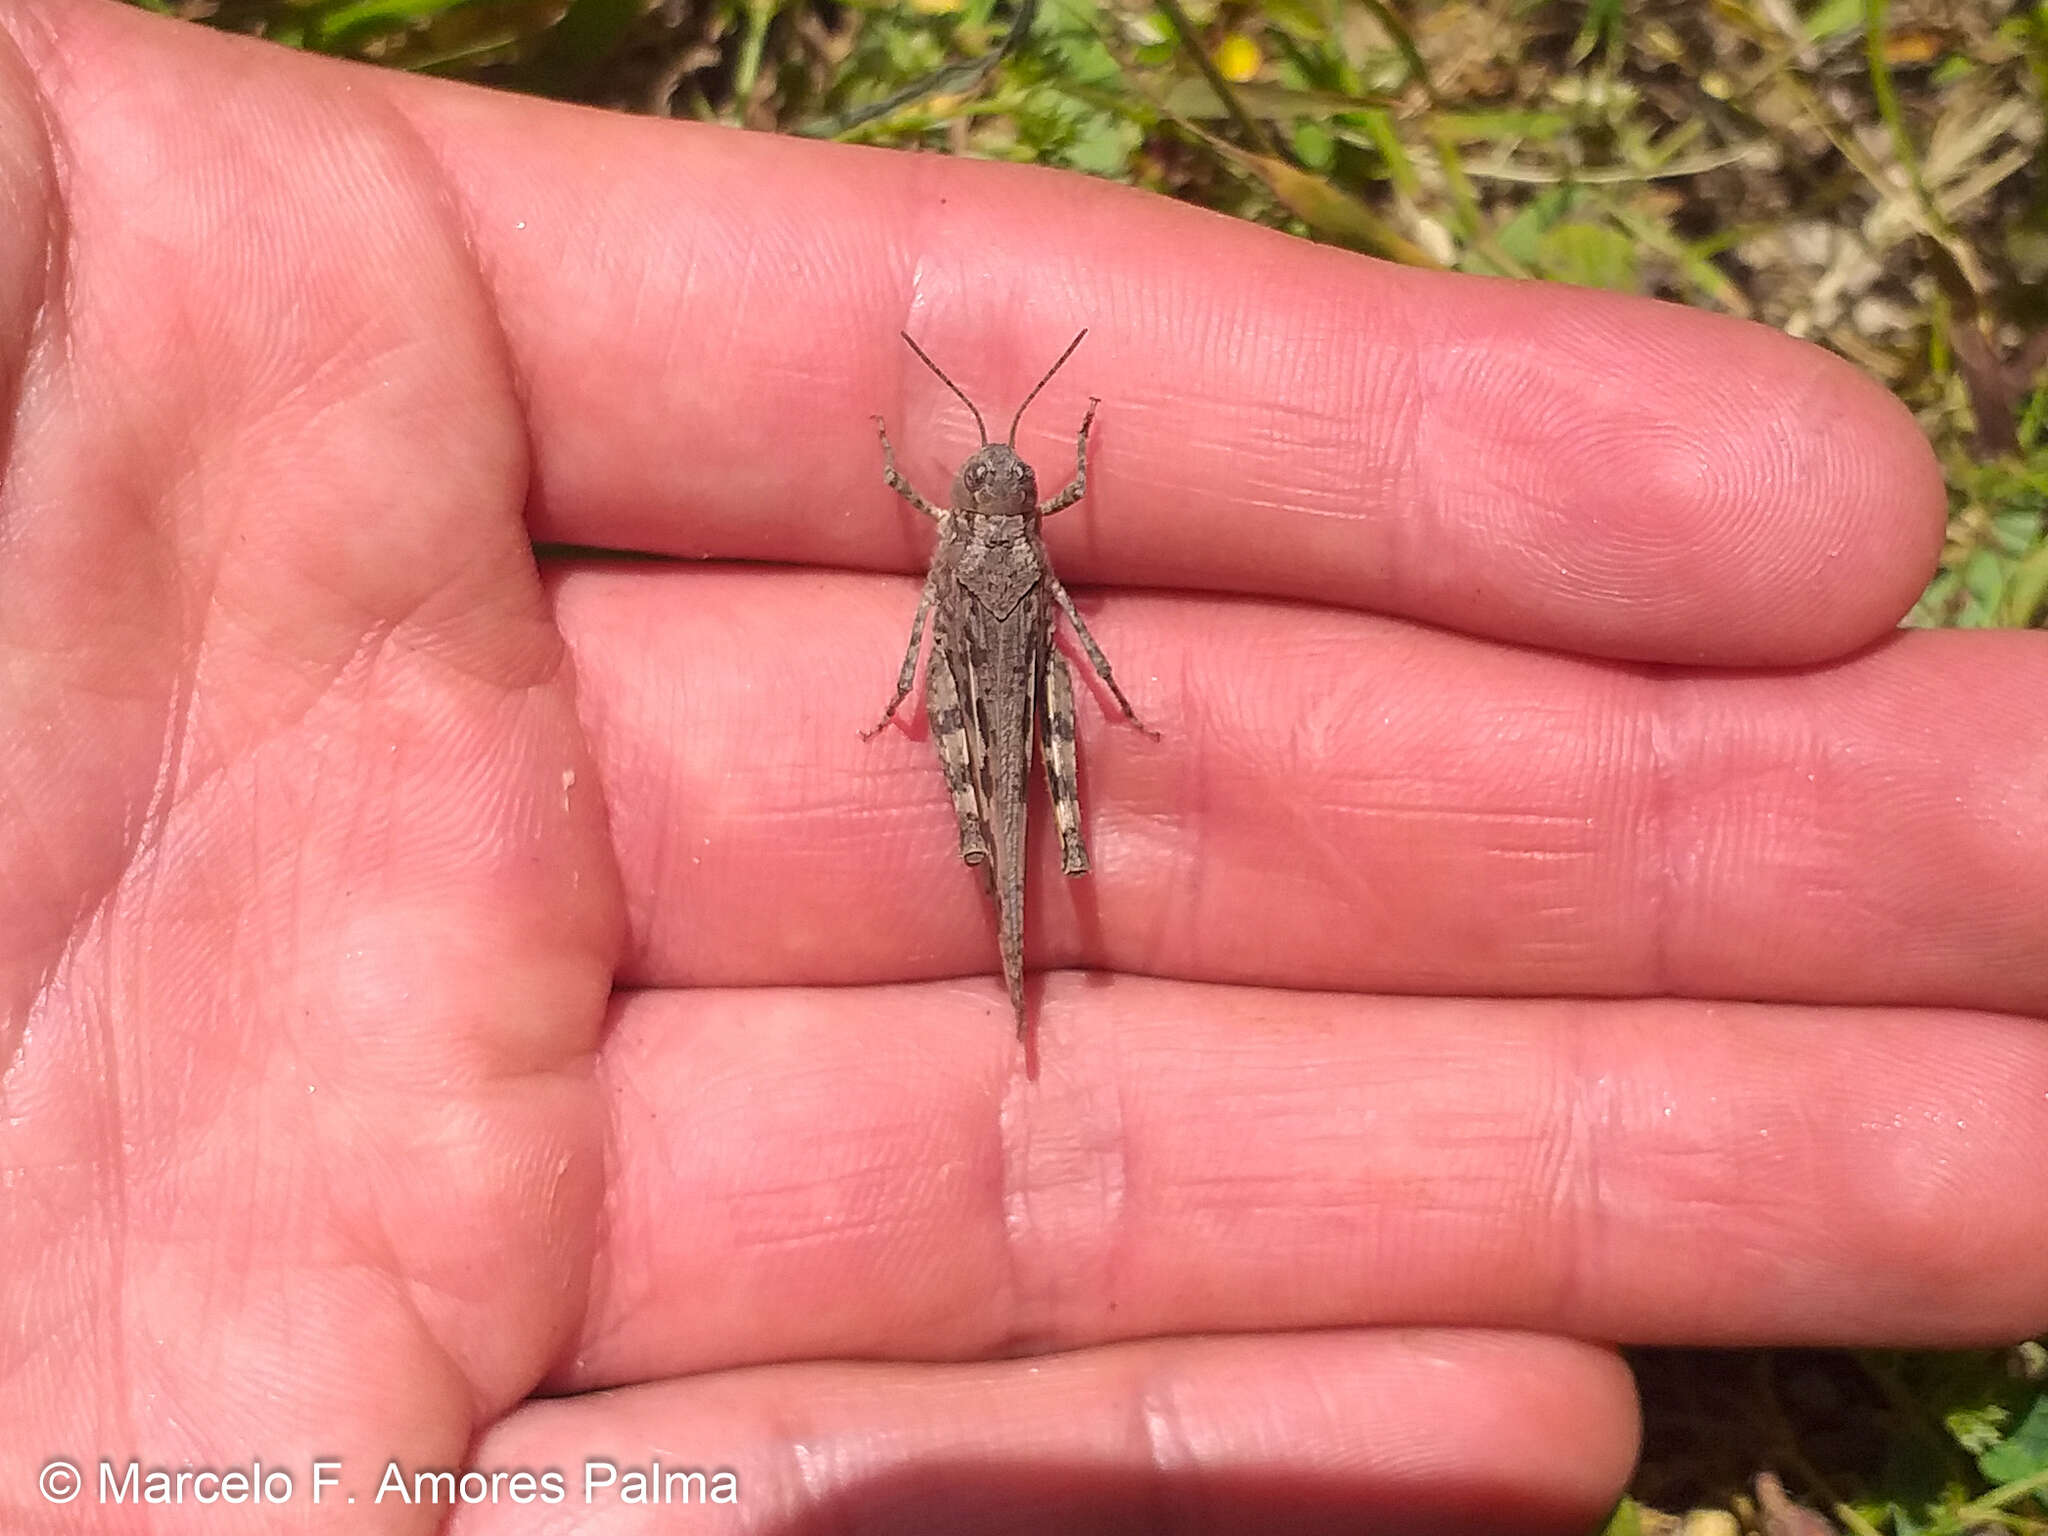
[956,757]
[1056,746]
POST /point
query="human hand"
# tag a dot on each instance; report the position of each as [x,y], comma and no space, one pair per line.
[328,1136]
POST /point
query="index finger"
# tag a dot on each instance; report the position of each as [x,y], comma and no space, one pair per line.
[705,331]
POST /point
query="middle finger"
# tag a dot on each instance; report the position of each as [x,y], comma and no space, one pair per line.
[1339,801]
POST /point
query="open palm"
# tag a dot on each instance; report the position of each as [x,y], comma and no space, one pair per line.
[434,982]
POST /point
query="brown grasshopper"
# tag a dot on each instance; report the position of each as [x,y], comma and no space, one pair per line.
[994,672]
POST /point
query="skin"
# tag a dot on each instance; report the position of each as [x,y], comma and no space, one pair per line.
[432,981]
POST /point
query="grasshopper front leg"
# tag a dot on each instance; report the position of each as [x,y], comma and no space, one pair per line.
[908,674]
[897,483]
[1078,486]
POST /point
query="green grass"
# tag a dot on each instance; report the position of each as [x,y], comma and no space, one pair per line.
[1862,174]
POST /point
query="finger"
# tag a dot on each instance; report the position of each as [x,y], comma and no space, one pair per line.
[1396,1432]
[304,937]
[700,337]
[866,1173]
[703,334]
[1339,801]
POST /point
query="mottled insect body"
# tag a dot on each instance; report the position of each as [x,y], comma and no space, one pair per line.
[996,681]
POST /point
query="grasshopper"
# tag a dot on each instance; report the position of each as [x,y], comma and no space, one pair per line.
[996,681]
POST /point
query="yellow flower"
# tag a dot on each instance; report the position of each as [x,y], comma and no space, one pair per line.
[1237,58]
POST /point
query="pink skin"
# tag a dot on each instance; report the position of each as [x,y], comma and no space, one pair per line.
[328,825]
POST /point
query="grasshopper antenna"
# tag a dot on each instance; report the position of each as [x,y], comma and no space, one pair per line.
[1055,368]
[935,368]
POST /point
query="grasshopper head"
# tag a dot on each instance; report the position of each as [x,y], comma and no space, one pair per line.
[995,482]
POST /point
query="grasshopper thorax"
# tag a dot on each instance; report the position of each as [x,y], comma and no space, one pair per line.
[995,482]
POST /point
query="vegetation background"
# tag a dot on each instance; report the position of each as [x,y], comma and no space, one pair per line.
[1861,173]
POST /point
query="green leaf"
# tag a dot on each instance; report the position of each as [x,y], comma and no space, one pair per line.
[1314,145]
[1601,27]
[1502,127]
[336,27]
[2024,603]
[1195,98]
[1590,255]
[1303,19]
[1102,146]
[2024,1452]
[1326,208]
[1977,1429]
[1834,18]
[2031,418]
[1522,236]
